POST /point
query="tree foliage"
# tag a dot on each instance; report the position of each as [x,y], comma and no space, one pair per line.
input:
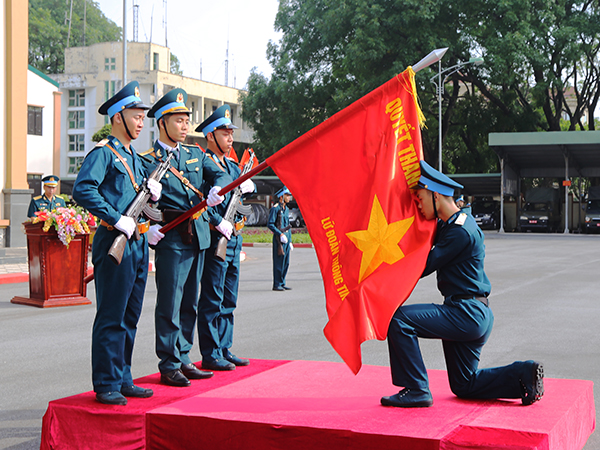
[332,52]
[49,30]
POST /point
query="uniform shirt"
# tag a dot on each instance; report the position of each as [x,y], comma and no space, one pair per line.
[199,169]
[275,218]
[457,256]
[216,213]
[42,202]
[103,185]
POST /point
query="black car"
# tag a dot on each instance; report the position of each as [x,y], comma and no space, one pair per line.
[486,213]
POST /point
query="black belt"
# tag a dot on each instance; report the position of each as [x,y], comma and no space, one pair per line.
[483,300]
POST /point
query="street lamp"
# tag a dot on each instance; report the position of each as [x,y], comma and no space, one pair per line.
[439,87]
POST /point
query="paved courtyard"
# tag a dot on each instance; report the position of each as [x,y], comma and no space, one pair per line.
[544,297]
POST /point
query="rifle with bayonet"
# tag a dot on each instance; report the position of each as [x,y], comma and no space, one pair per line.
[140,206]
[235,206]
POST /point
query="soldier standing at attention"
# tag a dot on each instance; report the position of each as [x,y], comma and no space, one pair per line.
[106,185]
[279,224]
[47,200]
[220,280]
[179,255]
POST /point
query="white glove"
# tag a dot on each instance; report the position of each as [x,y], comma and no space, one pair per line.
[126,225]
[291,247]
[155,189]
[225,228]
[283,239]
[214,198]
[247,186]
[154,234]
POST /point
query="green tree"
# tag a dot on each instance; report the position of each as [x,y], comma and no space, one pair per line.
[49,30]
[102,133]
[333,52]
[175,65]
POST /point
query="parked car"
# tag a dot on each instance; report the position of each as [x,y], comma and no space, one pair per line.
[296,219]
[258,217]
[486,213]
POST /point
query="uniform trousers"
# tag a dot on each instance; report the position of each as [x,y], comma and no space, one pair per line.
[218,299]
[178,273]
[281,263]
[464,326]
[119,296]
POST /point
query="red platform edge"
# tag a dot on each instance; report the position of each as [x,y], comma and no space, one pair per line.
[318,405]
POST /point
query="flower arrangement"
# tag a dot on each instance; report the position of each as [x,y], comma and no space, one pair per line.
[67,221]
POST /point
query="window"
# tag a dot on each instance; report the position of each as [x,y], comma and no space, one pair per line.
[152,137]
[155,61]
[151,123]
[77,119]
[110,64]
[75,164]
[76,143]
[34,120]
[77,97]
[110,89]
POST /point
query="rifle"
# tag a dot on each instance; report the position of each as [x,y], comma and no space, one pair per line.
[234,206]
[138,206]
[280,251]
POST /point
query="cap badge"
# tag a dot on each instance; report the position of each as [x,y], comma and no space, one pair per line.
[136,92]
[227,115]
[180,98]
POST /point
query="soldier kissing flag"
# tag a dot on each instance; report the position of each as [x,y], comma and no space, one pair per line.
[351,177]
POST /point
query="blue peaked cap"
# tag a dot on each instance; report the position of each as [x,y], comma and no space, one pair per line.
[173,102]
[436,181]
[283,191]
[220,119]
[128,97]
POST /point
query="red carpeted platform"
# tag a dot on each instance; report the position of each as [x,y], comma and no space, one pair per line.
[318,405]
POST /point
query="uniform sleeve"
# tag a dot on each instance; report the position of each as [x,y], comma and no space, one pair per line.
[32,209]
[452,242]
[85,191]
[273,220]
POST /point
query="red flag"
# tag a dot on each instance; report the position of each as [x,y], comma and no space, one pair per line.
[351,177]
[246,158]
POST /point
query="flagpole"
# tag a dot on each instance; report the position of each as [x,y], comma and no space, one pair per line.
[190,212]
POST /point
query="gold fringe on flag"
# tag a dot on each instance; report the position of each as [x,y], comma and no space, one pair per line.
[411,77]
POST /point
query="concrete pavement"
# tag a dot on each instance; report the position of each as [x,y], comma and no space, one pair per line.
[544,297]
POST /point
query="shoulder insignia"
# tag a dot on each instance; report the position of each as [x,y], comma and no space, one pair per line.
[148,152]
[460,220]
[37,198]
[102,143]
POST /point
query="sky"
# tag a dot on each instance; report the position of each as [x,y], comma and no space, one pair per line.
[197,32]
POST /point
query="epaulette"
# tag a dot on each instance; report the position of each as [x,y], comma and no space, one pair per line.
[460,220]
[37,198]
[193,147]
[102,143]
[147,152]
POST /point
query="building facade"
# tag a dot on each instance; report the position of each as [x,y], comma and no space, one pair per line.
[94,73]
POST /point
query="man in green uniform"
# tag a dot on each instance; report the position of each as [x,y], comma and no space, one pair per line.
[279,224]
[179,255]
[220,280]
[106,185]
[463,322]
[47,200]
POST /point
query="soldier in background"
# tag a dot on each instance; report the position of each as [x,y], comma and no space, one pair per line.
[279,224]
[47,200]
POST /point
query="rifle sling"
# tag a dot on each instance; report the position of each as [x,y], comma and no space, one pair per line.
[183,179]
[131,177]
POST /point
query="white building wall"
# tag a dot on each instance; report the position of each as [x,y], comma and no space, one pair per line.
[40,148]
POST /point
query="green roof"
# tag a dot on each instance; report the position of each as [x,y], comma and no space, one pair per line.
[44,76]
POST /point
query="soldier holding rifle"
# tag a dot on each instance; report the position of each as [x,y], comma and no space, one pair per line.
[279,224]
[110,178]
[179,254]
[220,280]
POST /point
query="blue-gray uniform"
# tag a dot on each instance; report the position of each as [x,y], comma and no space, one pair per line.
[179,256]
[463,322]
[104,188]
[41,202]
[220,280]
[279,220]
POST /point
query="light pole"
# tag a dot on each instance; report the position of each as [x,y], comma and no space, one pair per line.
[439,87]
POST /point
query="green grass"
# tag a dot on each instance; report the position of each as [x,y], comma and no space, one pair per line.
[264,235]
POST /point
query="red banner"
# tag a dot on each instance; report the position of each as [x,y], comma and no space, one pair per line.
[351,177]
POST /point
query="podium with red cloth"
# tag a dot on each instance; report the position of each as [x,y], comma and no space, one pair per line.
[56,272]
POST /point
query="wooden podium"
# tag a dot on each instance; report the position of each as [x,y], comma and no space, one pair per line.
[56,272]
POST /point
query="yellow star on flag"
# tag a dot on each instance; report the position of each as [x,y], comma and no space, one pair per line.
[379,242]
